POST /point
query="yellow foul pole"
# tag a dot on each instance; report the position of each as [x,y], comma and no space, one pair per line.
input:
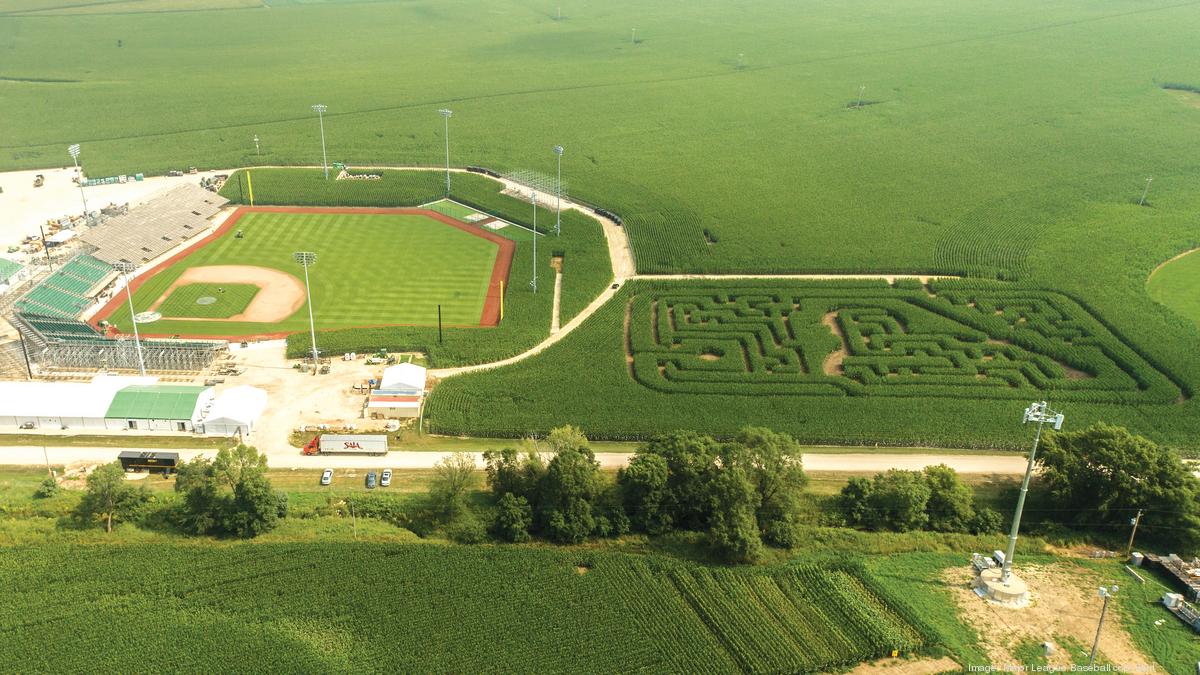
[250,187]
[501,300]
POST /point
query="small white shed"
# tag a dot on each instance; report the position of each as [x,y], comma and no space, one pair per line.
[235,411]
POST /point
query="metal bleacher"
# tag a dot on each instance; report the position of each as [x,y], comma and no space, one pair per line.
[158,226]
[66,292]
[57,342]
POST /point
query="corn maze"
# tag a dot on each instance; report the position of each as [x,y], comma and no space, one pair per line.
[954,339]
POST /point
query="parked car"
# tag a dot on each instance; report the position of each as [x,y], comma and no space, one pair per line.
[371,481]
[386,478]
[327,477]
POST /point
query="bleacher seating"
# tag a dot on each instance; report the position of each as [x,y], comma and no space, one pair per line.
[65,293]
[56,327]
[156,227]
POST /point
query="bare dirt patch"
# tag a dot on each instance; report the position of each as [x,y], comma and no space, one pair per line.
[897,666]
[280,294]
[1064,603]
[833,363]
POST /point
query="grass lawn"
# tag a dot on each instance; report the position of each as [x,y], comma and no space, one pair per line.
[1177,285]
[230,300]
[371,270]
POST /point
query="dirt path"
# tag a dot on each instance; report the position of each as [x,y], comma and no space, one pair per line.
[555,323]
[279,294]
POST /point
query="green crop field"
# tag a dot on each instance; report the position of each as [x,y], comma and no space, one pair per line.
[1177,286]
[371,269]
[287,607]
[209,301]
[1009,141]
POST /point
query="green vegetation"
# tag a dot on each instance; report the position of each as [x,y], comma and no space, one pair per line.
[1176,285]
[1154,629]
[949,364]
[933,499]
[655,614]
[230,300]
[348,289]
[453,209]
[117,441]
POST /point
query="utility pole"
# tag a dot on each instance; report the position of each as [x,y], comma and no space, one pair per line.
[446,115]
[1134,522]
[45,248]
[1106,594]
[1040,413]
[320,108]
[633,40]
[1142,201]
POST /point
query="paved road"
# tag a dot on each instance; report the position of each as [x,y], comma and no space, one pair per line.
[856,463]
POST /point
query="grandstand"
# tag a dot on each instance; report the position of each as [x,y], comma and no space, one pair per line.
[158,226]
[56,342]
[68,291]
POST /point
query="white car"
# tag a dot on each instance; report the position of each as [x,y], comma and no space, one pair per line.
[386,479]
[327,477]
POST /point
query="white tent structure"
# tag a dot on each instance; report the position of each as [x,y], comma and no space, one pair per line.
[403,378]
[235,411]
[62,405]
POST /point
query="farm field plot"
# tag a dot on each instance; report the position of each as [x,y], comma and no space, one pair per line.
[1176,285]
[830,362]
[272,606]
[372,269]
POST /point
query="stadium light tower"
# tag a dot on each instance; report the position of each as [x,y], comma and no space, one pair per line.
[533,201]
[74,151]
[446,117]
[125,268]
[306,260]
[320,109]
[1040,413]
[1142,201]
[558,150]
[256,149]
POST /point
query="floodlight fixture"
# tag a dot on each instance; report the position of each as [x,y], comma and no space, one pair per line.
[320,109]
[125,267]
[307,259]
[1040,413]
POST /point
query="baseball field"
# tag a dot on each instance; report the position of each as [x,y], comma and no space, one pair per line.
[373,267]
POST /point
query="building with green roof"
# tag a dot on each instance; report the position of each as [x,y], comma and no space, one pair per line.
[160,407]
[8,271]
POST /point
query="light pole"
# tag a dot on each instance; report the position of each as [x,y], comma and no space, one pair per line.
[1135,521]
[74,151]
[306,260]
[1142,201]
[446,117]
[321,108]
[256,151]
[125,268]
[1105,593]
[558,150]
[533,201]
[1040,413]
[861,89]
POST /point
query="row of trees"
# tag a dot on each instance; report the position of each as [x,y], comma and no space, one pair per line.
[931,499]
[226,496]
[739,493]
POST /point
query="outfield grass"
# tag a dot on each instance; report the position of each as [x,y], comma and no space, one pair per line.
[452,209]
[230,300]
[371,270]
[1177,286]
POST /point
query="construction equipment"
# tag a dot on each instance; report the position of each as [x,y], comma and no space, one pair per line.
[39,180]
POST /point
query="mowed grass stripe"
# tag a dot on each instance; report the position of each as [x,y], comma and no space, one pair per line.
[372,269]
[230,299]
